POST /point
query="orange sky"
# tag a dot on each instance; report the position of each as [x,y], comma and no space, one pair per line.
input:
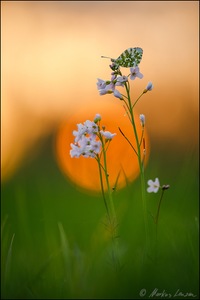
[51,59]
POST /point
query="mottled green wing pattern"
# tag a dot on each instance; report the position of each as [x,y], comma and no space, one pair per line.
[131,57]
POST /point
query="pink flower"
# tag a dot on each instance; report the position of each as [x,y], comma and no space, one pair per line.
[101,84]
[135,72]
[117,94]
[121,80]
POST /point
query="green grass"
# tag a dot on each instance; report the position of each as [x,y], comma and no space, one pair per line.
[54,240]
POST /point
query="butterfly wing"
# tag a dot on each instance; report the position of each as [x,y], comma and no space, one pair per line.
[131,57]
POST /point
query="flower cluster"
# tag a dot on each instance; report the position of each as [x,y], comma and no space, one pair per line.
[88,138]
[117,79]
[108,87]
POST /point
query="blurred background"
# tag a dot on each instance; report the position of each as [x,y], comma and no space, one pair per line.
[50,61]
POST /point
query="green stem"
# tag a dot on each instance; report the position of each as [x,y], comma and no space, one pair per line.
[140,162]
[156,222]
[101,183]
[112,219]
[142,136]
[159,204]
[137,100]
[127,140]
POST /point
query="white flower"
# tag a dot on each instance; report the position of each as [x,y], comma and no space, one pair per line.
[107,134]
[153,186]
[91,127]
[87,142]
[75,151]
[81,131]
[95,146]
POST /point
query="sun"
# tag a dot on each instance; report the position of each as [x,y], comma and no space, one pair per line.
[122,161]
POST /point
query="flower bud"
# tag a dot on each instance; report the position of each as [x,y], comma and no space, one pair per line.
[142,119]
[165,187]
[97,118]
[149,87]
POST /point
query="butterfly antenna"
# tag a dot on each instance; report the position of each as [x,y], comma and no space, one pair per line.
[105,57]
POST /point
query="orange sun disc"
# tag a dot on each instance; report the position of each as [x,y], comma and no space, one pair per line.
[122,161]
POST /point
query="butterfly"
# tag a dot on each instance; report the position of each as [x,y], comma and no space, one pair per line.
[131,57]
